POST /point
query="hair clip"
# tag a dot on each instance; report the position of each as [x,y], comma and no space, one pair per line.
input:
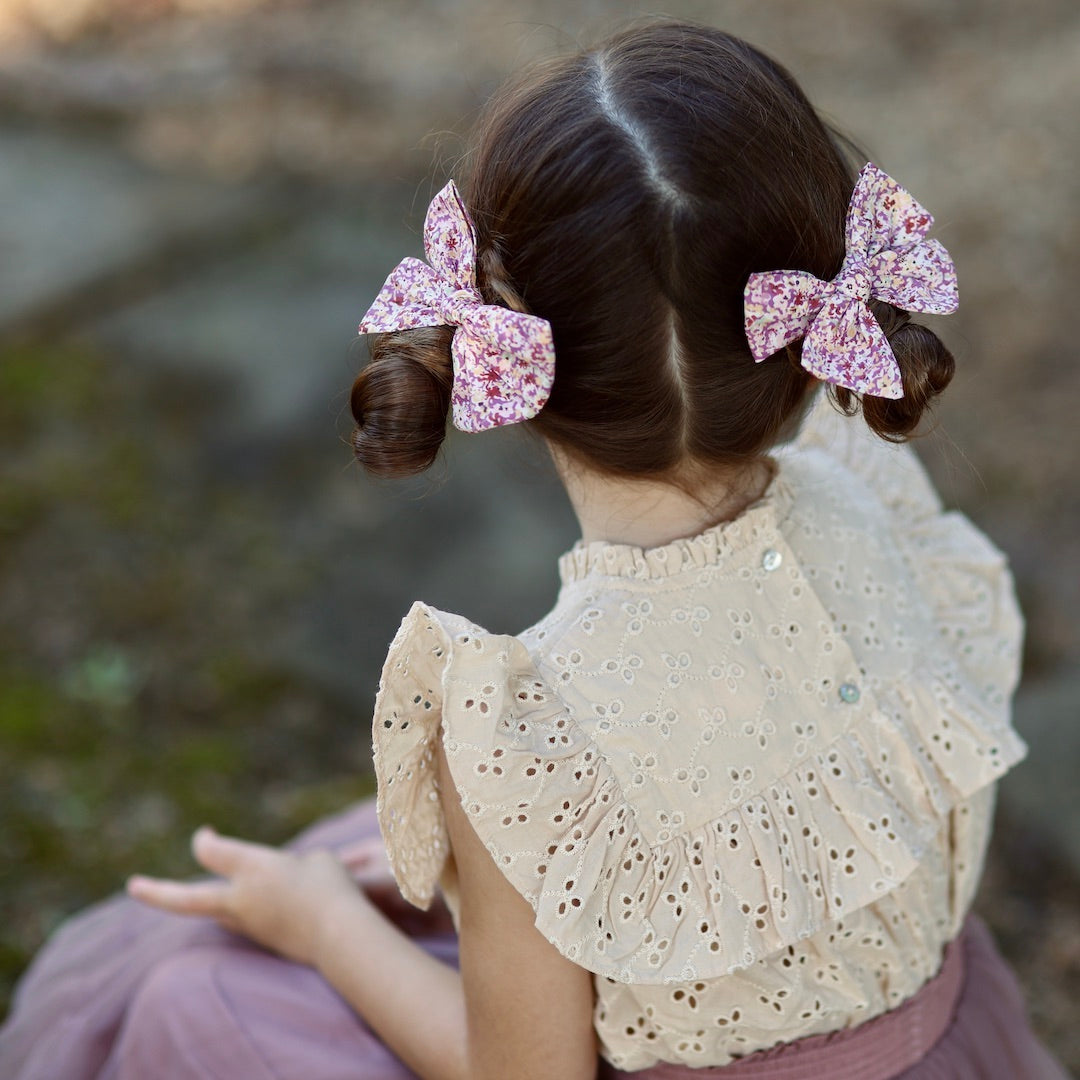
[888,257]
[504,361]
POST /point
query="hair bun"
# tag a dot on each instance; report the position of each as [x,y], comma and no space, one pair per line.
[400,400]
[926,368]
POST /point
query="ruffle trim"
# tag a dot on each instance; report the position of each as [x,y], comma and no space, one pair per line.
[708,548]
[703,903]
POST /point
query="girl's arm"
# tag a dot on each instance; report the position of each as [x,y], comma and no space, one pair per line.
[529,1009]
[518,1010]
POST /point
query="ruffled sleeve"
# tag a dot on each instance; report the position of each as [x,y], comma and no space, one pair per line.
[533,786]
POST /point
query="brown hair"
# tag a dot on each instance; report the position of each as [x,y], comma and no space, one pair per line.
[625,194]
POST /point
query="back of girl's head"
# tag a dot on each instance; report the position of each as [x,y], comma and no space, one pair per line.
[625,194]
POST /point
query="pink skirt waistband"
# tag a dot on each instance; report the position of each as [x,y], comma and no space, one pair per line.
[879,1049]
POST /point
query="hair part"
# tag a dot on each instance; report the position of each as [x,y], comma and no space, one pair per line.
[625,194]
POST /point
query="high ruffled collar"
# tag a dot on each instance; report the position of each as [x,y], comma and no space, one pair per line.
[707,548]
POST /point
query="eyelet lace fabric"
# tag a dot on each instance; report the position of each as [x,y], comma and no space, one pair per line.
[745,778]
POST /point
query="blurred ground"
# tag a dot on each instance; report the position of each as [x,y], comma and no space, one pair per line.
[198,198]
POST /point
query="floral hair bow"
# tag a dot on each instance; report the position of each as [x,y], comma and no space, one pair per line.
[504,361]
[887,257]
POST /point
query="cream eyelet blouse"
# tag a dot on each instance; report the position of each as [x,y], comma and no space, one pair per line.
[746,778]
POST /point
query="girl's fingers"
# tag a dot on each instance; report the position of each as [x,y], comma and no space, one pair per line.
[183,898]
[225,855]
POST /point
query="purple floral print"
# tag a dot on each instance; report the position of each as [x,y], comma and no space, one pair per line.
[889,258]
[504,361]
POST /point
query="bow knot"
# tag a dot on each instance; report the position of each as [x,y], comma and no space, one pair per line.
[854,280]
[457,306]
[504,361]
[888,257]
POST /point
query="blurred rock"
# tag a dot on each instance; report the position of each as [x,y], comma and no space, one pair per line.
[1043,793]
[277,320]
[85,225]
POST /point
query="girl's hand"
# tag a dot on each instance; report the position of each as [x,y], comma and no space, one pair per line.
[285,902]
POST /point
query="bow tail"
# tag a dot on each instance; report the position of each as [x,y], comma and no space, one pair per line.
[846,346]
[504,367]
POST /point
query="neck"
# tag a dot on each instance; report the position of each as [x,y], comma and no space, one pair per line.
[650,513]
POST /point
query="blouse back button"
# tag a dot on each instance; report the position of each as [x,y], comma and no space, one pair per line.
[849,693]
[771,560]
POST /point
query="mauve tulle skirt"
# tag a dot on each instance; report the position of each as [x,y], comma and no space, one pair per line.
[123,992]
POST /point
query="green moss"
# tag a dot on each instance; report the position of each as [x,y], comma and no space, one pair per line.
[105,676]
[42,382]
[26,383]
[123,482]
[29,709]
[205,754]
[21,509]
[136,701]
[244,683]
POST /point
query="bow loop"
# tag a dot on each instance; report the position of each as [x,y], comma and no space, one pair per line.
[888,257]
[780,305]
[883,215]
[504,361]
[449,240]
[409,299]
[919,278]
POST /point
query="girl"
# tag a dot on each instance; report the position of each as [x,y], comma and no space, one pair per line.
[727,804]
